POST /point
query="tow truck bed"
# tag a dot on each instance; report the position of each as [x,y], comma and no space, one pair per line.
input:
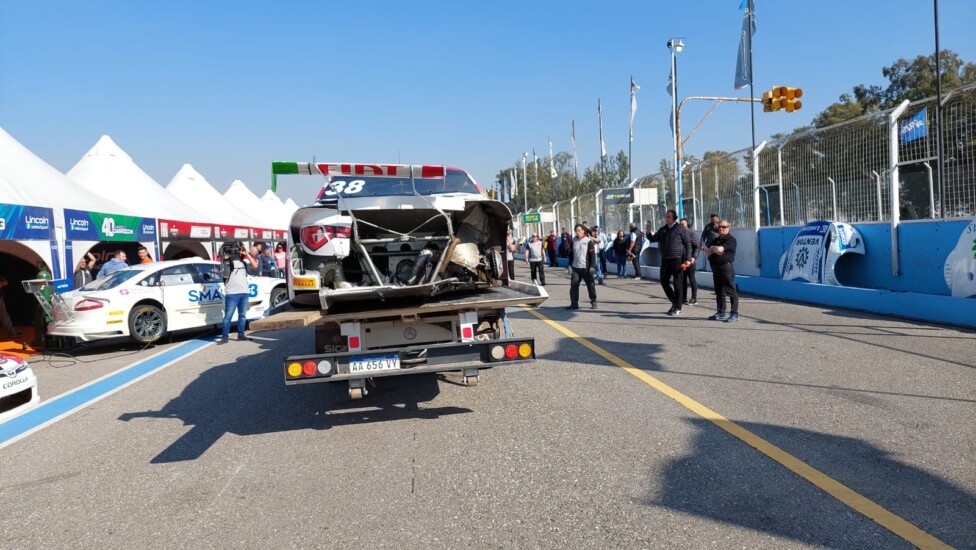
[491,298]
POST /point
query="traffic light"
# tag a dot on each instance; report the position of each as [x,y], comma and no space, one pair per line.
[780,98]
[789,98]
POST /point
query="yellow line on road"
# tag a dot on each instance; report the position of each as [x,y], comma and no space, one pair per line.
[881,516]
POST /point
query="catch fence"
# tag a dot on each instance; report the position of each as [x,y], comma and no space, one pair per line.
[840,173]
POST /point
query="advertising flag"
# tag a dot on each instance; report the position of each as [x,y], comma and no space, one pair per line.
[743,61]
[913,128]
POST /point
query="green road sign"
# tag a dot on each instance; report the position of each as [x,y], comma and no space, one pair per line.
[534,217]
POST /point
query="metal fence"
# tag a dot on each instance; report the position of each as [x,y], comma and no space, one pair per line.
[839,173]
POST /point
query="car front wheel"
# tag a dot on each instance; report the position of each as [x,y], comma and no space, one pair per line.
[279,296]
[147,324]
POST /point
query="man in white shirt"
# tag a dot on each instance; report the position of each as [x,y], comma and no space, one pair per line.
[601,242]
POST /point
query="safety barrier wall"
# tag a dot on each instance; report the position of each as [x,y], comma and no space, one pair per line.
[923,249]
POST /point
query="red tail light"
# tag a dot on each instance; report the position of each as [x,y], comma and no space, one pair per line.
[511,351]
[309,368]
[315,236]
[88,305]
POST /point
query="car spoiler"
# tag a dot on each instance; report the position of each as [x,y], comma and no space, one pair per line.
[352,169]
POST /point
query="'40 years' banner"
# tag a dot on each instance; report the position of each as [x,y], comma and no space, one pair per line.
[28,223]
[96,226]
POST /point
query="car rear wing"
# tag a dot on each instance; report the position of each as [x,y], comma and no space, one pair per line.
[353,169]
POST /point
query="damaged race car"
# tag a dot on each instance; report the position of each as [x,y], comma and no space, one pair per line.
[380,232]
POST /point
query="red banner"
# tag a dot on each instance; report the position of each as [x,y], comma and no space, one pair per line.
[232,233]
[170,230]
[276,235]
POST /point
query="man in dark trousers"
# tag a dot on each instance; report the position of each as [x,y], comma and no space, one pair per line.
[709,233]
[551,241]
[582,268]
[635,245]
[690,280]
[674,242]
[721,254]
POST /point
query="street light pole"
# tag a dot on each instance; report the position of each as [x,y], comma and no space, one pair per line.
[525,187]
[676,45]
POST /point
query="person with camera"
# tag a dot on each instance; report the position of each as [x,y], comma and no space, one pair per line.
[234,263]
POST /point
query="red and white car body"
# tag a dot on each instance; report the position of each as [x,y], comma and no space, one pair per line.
[387,231]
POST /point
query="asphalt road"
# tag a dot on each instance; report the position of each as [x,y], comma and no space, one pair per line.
[572,451]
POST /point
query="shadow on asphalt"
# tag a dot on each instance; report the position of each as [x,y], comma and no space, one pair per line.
[249,397]
[723,481]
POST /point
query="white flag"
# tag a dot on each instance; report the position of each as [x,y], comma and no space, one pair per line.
[599,112]
[572,137]
[552,169]
[634,88]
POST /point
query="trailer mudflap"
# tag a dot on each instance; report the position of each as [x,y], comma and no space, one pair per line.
[455,356]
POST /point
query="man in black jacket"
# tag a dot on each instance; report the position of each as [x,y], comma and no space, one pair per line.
[690,280]
[710,233]
[675,247]
[721,254]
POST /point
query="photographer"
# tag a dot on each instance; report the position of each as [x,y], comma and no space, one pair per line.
[234,263]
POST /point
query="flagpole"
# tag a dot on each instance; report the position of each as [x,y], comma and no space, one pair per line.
[634,88]
[752,95]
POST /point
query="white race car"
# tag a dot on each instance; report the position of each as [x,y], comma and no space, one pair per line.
[146,301]
[18,386]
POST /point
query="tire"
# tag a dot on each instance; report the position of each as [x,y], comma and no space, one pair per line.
[147,323]
[279,295]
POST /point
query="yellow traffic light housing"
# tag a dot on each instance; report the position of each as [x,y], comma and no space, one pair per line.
[791,98]
[782,97]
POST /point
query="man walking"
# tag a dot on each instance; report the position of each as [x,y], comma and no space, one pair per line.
[582,269]
[675,247]
[535,257]
[721,254]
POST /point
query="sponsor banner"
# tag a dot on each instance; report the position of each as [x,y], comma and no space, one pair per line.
[171,230]
[268,235]
[813,254]
[621,195]
[231,232]
[913,128]
[28,223]
[96,226]
[960,265]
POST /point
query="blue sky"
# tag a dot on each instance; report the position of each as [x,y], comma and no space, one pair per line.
[231,86]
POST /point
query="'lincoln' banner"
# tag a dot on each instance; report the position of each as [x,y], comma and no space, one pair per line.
[231,232]
[28,223]
[173,230]
[80,225]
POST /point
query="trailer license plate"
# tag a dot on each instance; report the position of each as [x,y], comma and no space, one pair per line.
[374,364]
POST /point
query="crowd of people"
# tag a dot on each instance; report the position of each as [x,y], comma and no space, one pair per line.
[587,251]
[269,260]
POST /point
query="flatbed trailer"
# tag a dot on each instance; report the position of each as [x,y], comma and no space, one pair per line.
[463,332]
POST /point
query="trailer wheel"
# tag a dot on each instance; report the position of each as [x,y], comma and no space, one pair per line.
[471,381]
[355,393]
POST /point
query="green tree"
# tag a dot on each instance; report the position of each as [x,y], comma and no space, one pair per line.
[907,79]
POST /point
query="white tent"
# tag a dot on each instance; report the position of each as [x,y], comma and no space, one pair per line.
[274,204]
[192,188]
[109,172]
[291,206]
[28,180]
[240,196]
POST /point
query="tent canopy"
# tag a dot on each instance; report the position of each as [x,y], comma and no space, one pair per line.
[110,172]
[240,196]
[192,188]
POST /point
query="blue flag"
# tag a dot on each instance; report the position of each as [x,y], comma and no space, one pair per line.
[743,62]
[913,128]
